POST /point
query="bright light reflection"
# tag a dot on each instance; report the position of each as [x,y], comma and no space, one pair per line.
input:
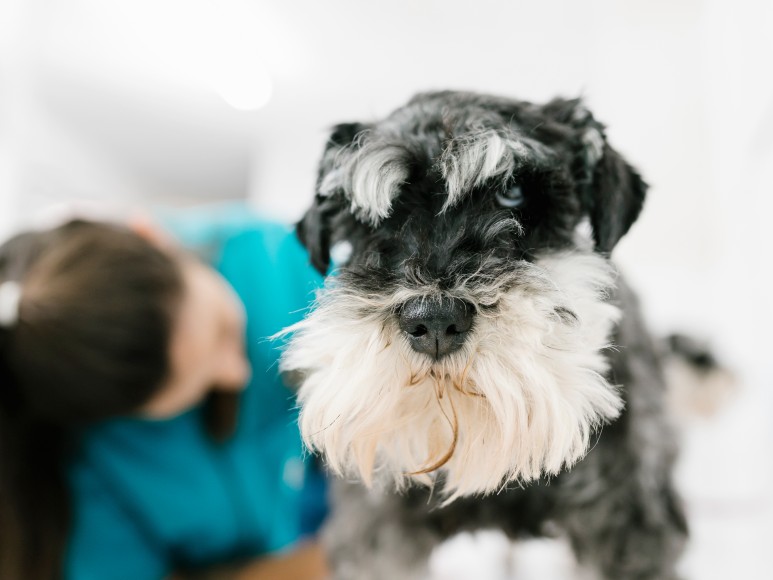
[243,85]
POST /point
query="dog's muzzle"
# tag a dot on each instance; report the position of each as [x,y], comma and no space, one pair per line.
[436,327]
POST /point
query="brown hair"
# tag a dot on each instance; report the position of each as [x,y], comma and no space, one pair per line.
[91,342]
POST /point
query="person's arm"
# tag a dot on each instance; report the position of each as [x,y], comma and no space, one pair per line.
[307,562]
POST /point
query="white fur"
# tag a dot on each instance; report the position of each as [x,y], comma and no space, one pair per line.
[371,174]
[525,391]
[594,145]
[483,555]
[341,252]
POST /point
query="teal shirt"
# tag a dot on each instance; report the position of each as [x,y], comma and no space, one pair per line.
[151,496]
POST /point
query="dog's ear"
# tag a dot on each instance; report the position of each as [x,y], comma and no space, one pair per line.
[614,200]
[314,229]
[314,232]
[612,192]
[343,135]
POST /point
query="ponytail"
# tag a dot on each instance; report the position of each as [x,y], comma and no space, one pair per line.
[33,497]
[89,341]
[34,501]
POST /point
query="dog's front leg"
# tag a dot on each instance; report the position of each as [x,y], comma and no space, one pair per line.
[623,517]
[632,538]
[377,535]
[618,505]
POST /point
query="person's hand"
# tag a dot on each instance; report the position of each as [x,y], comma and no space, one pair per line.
[306,562]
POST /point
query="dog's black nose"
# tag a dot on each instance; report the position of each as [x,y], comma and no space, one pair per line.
[436,327]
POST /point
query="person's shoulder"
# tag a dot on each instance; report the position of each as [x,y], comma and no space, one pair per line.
[227,231]
[267,237]
[271,250]
[205,229]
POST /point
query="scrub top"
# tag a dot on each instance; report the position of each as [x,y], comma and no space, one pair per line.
[153,496]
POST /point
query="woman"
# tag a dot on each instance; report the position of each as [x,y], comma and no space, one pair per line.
[129,445]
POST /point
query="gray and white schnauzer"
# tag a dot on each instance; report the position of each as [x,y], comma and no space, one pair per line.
[475,360]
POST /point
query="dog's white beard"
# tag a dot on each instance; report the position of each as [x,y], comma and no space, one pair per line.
[520,399]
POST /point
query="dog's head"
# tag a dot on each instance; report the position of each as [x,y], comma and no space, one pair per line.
[461,332]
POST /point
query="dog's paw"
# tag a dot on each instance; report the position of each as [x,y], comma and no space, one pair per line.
[482,555]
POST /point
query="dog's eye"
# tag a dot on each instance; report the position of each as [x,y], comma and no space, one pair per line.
[512,197]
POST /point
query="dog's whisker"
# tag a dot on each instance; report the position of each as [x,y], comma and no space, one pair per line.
[454,424]
[439,389]
[418,377]
[325,428]
[468,391]
[460,385]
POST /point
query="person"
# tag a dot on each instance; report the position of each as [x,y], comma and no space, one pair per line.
[144,428]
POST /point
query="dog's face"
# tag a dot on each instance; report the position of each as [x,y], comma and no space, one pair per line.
[461,332]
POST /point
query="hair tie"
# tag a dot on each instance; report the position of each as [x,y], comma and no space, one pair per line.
[10,296]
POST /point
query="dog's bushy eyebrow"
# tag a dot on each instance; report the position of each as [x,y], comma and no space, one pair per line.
[473,159]
[372,170]
[370,173]
[468,161]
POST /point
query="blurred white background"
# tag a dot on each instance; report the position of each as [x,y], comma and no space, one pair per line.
[177,102]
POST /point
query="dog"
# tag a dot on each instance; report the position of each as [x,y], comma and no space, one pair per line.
[475,360]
